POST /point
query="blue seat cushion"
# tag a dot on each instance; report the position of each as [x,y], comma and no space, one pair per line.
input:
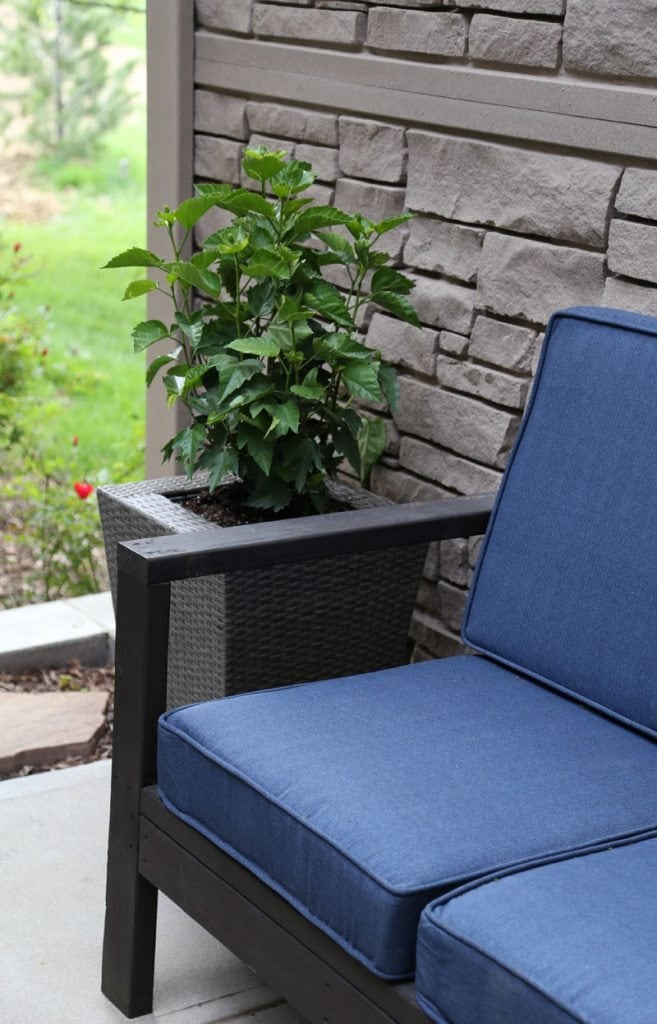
[360,799]
[573,942]
[566,586]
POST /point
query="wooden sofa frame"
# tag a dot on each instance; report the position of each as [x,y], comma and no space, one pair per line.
[150,849]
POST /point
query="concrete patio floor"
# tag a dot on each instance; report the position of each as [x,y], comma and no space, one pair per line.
[53,834]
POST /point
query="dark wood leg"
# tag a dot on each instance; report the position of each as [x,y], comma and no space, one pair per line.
[141,673]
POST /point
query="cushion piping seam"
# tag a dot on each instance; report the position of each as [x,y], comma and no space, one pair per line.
[490,652]
[283,891]
[398,894]
[505,967]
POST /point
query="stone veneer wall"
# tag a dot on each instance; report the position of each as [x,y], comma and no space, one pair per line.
[505,232]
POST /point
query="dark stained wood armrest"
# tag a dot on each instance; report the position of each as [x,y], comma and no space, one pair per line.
[165,559]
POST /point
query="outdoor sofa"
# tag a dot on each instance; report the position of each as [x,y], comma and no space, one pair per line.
[496,812]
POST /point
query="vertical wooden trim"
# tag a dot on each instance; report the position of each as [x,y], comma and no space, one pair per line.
[170,98]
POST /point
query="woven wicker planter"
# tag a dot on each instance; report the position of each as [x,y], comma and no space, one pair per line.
[261,628]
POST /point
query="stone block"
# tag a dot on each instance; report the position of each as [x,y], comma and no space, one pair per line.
[42,728]
[452,604]
[377,202]
[493,385]
[530,280]
[441,303]
[518,41]
[505,345]
[401,487]
[444,248]
[453,344]
[412,348]
[218,114]
[560,197]
[454,561]
[293,123]
[448,470]
[369,149]
[214,220]
[431,570]
[337,28]
[323,159]
[225,15]
[603,37]
[636,298]
[554,7]
[638,194]
[474,550]
[427,596]
[633,250]
[217,159]
[433,638]
[439,34]
[465,425]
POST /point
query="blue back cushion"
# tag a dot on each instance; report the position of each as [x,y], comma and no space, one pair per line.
[566,586]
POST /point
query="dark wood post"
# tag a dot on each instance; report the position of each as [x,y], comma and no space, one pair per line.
[141,673]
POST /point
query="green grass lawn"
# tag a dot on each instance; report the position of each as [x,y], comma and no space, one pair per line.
[100,397]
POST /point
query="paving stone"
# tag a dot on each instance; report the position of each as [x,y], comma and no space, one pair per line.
[293,123]
[493,385]
[506,345]
[517,41]
[435,33]
[620,294]
[323,159]
[444,248]
[633,250]
[638,194]
[369,149]
[225,15]
[465,425]
[604,37]
[219,114]
[41,728]
[516,6]
[560,197]
[530,280]
[412,348]
[448,470]
[217,159]
[441,303]
[339,28]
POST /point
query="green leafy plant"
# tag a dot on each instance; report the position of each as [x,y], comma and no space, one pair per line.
[269,362]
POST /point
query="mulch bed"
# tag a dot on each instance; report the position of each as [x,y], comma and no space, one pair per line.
[72,677]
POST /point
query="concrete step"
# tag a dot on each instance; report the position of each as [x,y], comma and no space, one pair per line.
[51,634]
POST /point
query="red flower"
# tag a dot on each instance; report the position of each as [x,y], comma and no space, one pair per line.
[75,440]
[18,246]
[82,489]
